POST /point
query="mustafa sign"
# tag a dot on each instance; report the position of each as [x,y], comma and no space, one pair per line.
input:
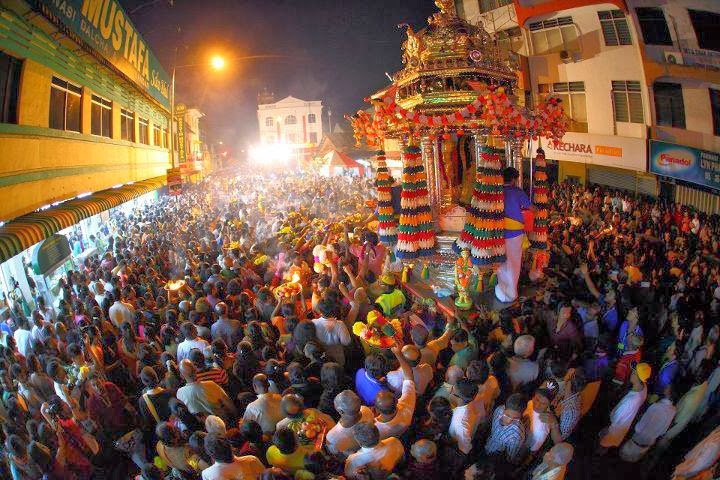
[105,27]
[685,163]
[606,150]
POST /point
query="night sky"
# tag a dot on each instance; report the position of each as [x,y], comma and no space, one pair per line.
[335,50]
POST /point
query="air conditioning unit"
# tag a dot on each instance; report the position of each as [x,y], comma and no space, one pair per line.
[673,57]
[565,56]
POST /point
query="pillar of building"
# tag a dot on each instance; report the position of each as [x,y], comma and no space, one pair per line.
[430,163]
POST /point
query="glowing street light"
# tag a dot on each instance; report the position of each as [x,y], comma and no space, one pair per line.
[217,62]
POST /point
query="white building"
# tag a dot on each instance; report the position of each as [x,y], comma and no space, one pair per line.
[630,74]
[290,121]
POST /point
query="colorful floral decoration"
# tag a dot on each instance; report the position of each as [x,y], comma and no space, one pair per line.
[416,235]
[379,331]
[538,237]
[387,224]
[484,231]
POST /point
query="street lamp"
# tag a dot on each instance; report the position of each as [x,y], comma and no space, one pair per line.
[217,63]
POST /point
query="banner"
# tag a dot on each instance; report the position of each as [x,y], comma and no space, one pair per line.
[181,146]
[104,26]
[174,181]
[685,163]
[603,150]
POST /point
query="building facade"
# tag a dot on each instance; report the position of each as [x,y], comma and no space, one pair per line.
[290,121]
[83,104]
[619,68]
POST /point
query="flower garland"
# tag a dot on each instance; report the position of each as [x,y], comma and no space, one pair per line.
[484,231]
[416,237]
[387,225]
[379,331]
[538,237]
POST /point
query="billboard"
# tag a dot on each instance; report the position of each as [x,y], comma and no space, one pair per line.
[104,26]
[685,163]
[604,150]
[174,181]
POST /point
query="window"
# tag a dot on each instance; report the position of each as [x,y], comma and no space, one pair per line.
[487,5]
[572,95]
[269,121]
[144,130]
[100,116]
[510,39]
[290,120]
[654,26]
[165,138]
[311,118]
[127,125]
[669,106]
[65,103]
[9,87]
[706,29]
[292,138]
[313,137]
[157,135]
[555,35]
[715,105]
[615,27]
[627,101]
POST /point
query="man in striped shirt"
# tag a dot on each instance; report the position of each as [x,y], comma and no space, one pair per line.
[507,433]
[205,372]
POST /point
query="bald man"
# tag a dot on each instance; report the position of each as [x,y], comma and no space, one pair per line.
[554,464]
[393,415]
[422,372]
[205,397]
[452,375]
[266,410]
[340,439]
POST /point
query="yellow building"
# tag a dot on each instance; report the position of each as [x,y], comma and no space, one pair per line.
[83,104]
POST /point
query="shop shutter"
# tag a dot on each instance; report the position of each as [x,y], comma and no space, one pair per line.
[647,185]
[701,200]
[623,180]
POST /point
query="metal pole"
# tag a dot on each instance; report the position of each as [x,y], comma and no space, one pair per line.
[172,118]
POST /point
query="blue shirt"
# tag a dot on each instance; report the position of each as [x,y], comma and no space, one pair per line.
[666,376]
[367,387]
[622,336]
[516,200]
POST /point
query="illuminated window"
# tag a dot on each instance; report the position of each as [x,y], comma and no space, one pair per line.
[269,121]
[627,101]
[572,95]
[165,138]
[65,105]
[144,130]
[615,27]
[9,87]
[311,118]
[157,135]
[100,116]
[313,137]
[488,5]
[290,120]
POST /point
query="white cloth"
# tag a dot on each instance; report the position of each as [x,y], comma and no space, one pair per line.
[242,468]
[266,411]
[184,348]
[23,340]
[509,272]
[422,375]
[120,312]
[341,440]
[383,456]
[403,415]
[536,430]
[333,335]
[464,424]
[522,371]
[542,472]
[652,425]
[204,397]
[702,457]
[488,392]
[622,416]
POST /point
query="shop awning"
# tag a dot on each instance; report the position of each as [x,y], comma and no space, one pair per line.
[27,230]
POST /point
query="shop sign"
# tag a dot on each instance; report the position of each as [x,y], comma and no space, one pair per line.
[50,253]
[104,26]
[174,181]
[180,111]
[685,163]
[604,150]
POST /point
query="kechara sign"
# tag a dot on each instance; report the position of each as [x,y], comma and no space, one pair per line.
[105,27]
[606,150]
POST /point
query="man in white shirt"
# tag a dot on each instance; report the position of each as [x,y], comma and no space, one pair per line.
[394,416]
[701,459]
[203,397]
[540,423]
[467,417]
[340,439]
[376,458]
[192,340]
[47,312]
[23,336]
[652,425]
[332,333]
[422,372]
[121,312]
[227,466]
[266,409]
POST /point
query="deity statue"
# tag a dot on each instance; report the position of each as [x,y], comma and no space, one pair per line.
[446,6]
[463,275]
[413,47]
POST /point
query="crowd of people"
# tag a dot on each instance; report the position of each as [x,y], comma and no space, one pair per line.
[174,354]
